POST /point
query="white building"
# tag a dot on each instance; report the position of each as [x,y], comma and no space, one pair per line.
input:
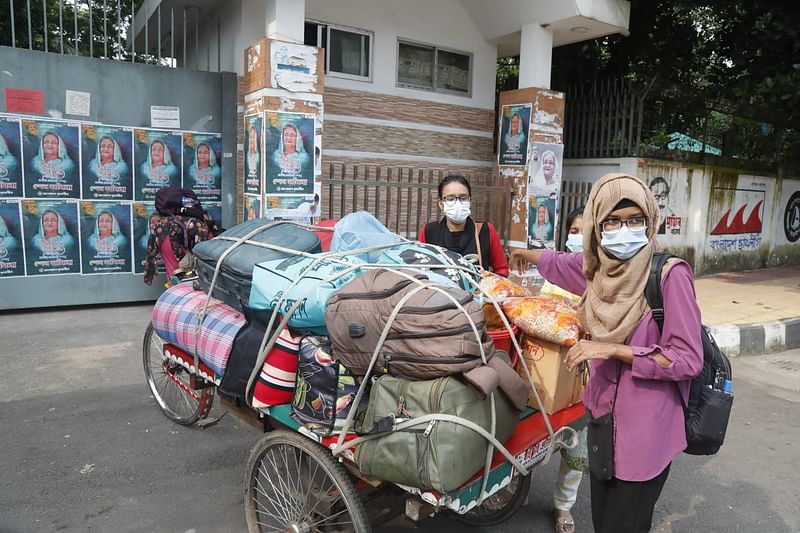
[407,83]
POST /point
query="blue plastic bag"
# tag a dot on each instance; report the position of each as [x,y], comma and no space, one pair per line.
[362,230]
[271,280]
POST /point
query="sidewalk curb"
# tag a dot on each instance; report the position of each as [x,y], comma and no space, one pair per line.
[756,339]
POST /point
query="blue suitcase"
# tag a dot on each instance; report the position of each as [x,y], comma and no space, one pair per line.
[236,273]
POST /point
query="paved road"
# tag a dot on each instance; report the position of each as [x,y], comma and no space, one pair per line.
[84,448]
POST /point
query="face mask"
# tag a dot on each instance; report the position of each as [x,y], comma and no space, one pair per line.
[625,243]
[457,213]
[575,242]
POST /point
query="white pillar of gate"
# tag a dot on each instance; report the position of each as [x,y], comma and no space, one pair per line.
[285,20]
[535,56]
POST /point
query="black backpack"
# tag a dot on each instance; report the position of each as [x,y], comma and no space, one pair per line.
[172,201]
[709,407]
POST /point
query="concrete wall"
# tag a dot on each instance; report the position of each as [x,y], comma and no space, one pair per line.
[121,94]
[720,219]
[443,23]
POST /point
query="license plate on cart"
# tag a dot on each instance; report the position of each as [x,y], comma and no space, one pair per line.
[534,454]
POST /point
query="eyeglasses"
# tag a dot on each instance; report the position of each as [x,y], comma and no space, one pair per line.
[615,224]
[451,200]
[661,196]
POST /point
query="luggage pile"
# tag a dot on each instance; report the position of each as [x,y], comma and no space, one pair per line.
[367,337]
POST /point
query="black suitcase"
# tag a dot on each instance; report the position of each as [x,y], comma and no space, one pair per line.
[236,273]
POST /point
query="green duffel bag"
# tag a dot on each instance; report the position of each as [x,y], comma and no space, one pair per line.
[438,455]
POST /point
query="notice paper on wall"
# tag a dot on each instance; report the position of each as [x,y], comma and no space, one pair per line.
[165,116]
[78,103]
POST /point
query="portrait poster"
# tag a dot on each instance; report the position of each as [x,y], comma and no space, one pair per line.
[105,237]
[514,126]
[202,160]
[10,158]
[303,208]
[254,147]
[156,161]
[145,217]
[51,151]
[544,176]
[290,150]
[252,207]
[107,162]
[541,222]
[50,231]
[214,210]
[12,255]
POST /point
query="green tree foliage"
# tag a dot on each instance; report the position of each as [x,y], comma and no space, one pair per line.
[727,72]
[69,20]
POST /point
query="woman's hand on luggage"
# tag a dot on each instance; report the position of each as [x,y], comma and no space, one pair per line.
[586,349]
[520,259]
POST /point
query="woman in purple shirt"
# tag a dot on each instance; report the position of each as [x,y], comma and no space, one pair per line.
[637,374]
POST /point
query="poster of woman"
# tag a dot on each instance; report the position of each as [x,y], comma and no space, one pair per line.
[253,140]
[202,157]
[156,161]
[50,231]
[541,222]
[145,217]
[515,121]
[12,257]
[545,172]
[290,146]
[105,237]
[52,159]
[107,162]
[252,207]
[10,158]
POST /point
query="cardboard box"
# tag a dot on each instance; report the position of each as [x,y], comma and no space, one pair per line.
[557,387]
[296,68]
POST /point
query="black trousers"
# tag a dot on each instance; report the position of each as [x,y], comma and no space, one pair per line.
[625,506]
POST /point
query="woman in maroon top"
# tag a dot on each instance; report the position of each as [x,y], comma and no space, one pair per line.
[457,231]
[640,376]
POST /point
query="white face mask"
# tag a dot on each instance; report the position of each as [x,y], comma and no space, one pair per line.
[625,243]
[458,212]
[575,242]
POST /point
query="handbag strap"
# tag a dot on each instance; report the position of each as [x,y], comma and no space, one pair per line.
[478,226]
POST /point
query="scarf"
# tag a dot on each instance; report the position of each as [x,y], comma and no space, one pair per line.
[614,301]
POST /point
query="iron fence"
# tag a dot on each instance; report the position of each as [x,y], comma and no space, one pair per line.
[404,199]
[123,30]
[603,119]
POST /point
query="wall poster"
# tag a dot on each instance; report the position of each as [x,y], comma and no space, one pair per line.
[254,143]
[157,161]
[201,168]
[514,129]
[10,157]
[105,237]
[12,257]
[50,229]
[290,145]
[145,217]
[543,193]
[51,151]
[107,162]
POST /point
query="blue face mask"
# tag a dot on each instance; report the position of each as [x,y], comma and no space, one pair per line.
[575,242]
[624,243]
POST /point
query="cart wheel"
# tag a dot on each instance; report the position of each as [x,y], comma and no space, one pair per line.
[169,383]
[501,505]
[294,484]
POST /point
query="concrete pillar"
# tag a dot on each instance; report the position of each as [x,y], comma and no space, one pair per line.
[285,20]
[535,56]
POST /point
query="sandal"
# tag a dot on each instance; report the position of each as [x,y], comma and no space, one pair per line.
[564,523]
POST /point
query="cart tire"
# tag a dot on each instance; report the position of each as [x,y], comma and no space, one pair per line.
[295,484]
[500,506]
[175,402]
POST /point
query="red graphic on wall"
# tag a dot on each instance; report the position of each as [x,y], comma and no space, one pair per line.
[725,226]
